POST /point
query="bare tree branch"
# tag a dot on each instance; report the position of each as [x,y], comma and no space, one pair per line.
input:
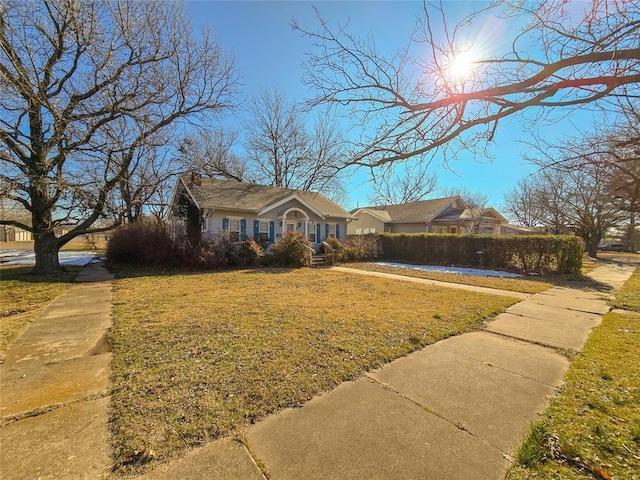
[408,106]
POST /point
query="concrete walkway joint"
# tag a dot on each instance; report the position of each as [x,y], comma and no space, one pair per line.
[54,385]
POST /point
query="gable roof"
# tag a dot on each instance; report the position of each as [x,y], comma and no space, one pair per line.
[382,215]
[214,194]
[422,211]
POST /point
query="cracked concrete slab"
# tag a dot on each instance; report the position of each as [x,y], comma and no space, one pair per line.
[225,459]
[492,403]
[361,430]
[69,442]
[522,358]
[569,334]
[26,389]
[571,303]
[53,386]
[550,312]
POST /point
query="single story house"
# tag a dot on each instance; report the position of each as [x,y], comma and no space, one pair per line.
[520,230]
[437,215]
[9,233]
[207,207]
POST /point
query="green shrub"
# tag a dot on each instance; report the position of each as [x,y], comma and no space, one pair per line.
[290,250]
[142,244]
[542,254]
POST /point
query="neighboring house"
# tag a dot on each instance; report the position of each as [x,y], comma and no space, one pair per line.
[438,215]
[205,207]
[510,229]
[9,233]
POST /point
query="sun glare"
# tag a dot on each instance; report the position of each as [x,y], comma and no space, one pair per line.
[461,65]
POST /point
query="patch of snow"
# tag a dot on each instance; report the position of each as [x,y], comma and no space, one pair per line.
[23,257]
[458,270]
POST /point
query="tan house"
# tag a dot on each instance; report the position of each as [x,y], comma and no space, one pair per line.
[244,210]
[9,233]
[437,215]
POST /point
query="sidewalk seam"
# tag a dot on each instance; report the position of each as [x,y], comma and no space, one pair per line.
[36,412]
[568,353]
[433,412]
[507,370]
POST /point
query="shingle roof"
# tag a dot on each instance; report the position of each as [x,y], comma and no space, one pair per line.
[420,211]
[231,195]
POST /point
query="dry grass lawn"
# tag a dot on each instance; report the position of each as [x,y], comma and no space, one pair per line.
[23,296]
[523,284]
[198,356]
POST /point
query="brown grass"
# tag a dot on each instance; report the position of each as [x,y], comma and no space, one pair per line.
[522,284]
[199,356]
[24,296]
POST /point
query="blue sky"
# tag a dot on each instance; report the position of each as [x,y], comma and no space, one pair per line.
[270,53]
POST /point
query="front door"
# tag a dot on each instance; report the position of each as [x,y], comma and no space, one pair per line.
[291,227]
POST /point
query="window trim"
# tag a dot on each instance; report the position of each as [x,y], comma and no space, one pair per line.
[265,232]
[230,231]
[311,230]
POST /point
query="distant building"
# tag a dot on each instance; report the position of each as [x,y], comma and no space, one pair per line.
[437,215]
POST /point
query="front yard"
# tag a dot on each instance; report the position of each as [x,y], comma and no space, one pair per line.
[197,356]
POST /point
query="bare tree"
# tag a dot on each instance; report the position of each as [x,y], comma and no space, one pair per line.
[76,74]
[410,184]
[614,155]
[591,206]
[522,203]
[208,153]
[568,54]
[140,188]
[574,195]
[283,152]
[552,191]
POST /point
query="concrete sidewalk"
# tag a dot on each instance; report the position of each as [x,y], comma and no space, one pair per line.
[54,387]
[455,410]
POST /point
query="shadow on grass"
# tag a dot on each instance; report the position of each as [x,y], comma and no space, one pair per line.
[24,273]
[130,271]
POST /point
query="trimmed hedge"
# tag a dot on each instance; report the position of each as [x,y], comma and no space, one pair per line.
[542,254]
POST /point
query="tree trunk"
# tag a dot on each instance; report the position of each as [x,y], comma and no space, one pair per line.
[591,246]
[46,248]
